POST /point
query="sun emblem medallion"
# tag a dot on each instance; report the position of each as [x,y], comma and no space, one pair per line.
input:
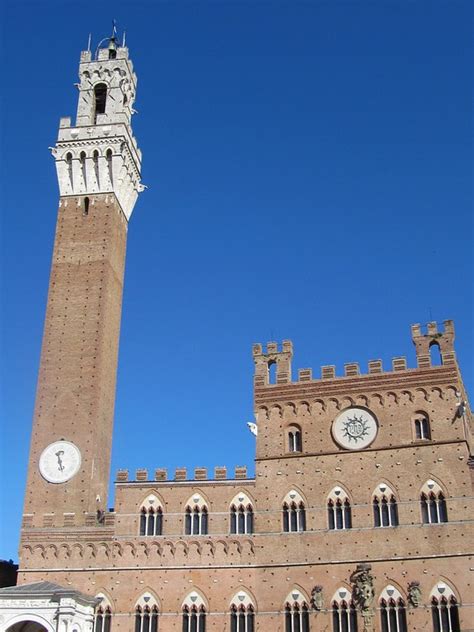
[354,428]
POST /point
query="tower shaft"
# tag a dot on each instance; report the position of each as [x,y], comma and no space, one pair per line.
[77,376]
[98,168]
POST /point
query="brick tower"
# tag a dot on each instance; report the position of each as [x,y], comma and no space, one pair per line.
[98,168]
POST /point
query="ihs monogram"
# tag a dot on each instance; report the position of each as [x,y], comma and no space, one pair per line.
[356,428]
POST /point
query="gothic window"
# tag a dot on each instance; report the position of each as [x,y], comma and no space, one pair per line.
[103,616]
[444,609]
[433,504]
[339,510]
[294,439]
[194,613]
[151,517]
[196,516]
[344,612]
[296,613]
[393,616]
[294,513]
[242,613]
[421,423]
[146,618]
[241,515]
[385,508]
[100,98]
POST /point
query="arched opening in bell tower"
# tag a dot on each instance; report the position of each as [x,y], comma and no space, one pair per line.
[100,98]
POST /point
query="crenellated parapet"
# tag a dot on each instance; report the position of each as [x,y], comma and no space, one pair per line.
[264,359]
[181,475]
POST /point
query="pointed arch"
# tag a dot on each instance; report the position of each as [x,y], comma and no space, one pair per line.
[384,506]
[339,509]
[294,512]
[151,516]
[344,611]
[242,612]
[103,613]
[195,609]
[241,514]
[147,611]
[393,616]
[297,607]
[196,515]
[433,503]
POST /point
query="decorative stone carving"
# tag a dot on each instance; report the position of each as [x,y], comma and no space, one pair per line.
[363,581]
[414,594]
[317,598]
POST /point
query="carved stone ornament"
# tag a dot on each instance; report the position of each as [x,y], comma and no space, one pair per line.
[317,598]
[363,581]
[414,594]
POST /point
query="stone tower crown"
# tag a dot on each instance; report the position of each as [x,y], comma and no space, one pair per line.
[99,154]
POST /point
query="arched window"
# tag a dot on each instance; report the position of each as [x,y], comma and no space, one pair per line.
[421,423]
[295,443]
[433,504]
[194,613]
[103,615]
[385,507]
[339,510]
[393,616]
[69,167]
[242,613]
[108,156]
[100,98]
[293,513]
[241,514]
[82,160]
[344,612]
[151,517]
[146,618]
[435,354]
[95,159]
[196,516]
[444,609]
[296,612]
[272,372]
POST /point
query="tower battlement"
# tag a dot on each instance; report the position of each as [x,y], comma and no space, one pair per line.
[423,342]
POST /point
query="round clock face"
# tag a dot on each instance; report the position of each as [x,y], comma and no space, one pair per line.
[354,428]
[60,461]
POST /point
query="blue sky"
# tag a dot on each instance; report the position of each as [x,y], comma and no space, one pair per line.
[309,168]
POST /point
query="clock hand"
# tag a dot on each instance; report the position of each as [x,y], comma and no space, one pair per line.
[60,463]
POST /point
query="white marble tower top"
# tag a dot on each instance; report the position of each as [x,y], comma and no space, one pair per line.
[100,154]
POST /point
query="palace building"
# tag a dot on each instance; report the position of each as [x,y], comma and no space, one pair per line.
[359,517]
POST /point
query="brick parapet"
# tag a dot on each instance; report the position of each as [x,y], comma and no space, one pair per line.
[181,476]
[399,379]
